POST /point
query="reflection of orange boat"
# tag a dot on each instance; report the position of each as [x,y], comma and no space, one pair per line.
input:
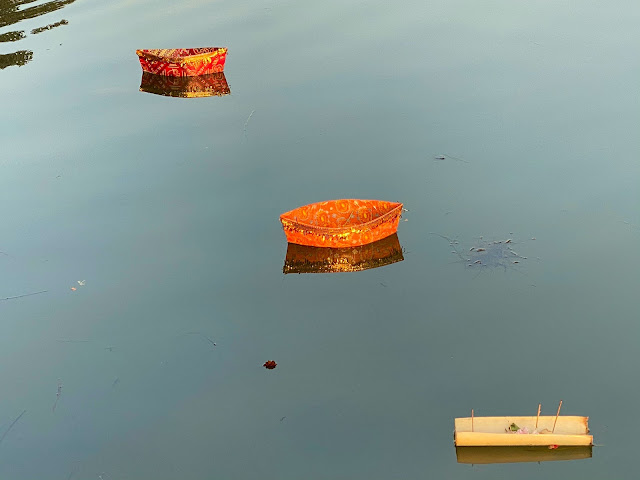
[341,223]
[305,259]
[183,62]
[186,87]
[482,455]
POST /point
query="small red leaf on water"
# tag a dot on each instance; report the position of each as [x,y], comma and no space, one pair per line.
[270,364]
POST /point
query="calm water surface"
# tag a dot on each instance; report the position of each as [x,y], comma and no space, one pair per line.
[168,208]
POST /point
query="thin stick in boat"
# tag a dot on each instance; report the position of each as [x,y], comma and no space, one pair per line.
[21,296]
[472,419]
[539,407]
[556,420]
[11,426]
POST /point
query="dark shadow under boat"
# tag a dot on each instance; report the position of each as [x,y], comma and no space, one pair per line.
[484,455]
[306,259]
[214,84]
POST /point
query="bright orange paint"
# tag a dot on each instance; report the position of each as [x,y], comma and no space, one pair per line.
[341,223]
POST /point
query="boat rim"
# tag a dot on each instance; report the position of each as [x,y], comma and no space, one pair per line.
[147,53]
[393,212]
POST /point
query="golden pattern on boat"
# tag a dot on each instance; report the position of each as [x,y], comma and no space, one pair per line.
[341,223]
[306,259]
[214,84]
[181,62]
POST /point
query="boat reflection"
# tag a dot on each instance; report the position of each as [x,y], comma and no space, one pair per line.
[214,84]
[484,455]
[306,259]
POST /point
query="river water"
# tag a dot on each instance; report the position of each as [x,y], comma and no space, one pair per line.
[147,229]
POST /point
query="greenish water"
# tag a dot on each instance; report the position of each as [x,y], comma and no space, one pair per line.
[168,208]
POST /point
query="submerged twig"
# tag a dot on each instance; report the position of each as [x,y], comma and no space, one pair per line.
[11,426]
[446,155]
[57,396]
[203,336]
[247,123]
[456,158]
[25,295]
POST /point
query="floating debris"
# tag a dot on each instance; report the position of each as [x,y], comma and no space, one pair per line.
[11,426]
[203,336]
[447,156]
[24,295]
[270,364]
[488,254]
[57,396]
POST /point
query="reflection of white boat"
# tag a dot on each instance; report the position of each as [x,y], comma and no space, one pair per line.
[549,431]
[480,455]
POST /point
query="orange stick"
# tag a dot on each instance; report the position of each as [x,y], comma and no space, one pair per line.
[539,406]
[472,419]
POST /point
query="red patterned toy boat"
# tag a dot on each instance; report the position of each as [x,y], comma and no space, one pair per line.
[183,62]
[341,223]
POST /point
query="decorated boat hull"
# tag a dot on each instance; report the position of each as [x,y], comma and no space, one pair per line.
[341,223]
[183,62]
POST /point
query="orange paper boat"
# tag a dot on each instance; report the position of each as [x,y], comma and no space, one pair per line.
[305,259]
[341,223]
[183,62]
[185,87]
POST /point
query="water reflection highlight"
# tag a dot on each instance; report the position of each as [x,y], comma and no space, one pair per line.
[485,455]
[214,84]
[306,259]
